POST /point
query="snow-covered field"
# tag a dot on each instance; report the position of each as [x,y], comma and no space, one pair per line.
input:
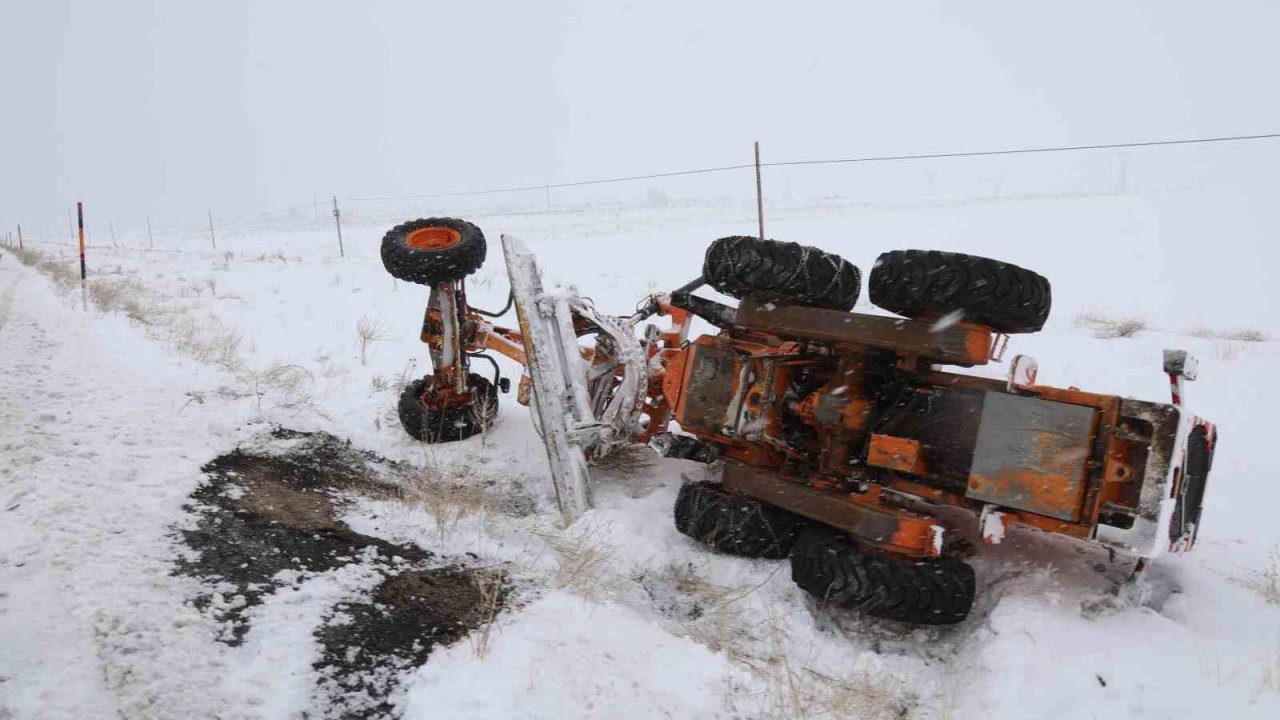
[108,418]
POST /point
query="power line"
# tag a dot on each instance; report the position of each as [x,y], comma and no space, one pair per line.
[789,163]
[553,186]
[1027,151]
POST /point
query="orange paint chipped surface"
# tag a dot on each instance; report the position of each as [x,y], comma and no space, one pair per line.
[895,453]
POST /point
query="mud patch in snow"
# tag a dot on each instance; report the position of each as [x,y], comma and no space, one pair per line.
[366,646]
[267,518]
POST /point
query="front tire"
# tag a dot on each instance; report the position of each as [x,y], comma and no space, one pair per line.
[828,565]
[453,424]
[433,250]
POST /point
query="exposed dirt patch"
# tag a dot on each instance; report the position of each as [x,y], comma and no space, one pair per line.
[273,506]
[410,613]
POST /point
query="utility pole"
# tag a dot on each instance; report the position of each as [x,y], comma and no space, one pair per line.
[212,238]
[759,192]
[150,240]
[19,236]
[337,221]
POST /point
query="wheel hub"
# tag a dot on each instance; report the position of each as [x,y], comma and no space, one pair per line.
[433,238]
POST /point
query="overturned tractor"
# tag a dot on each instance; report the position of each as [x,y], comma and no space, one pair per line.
[839,434]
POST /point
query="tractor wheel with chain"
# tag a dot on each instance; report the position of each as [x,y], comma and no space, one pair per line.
[456,423]
[828,565]
[433,251]
[781,271]
[735,524]
[930,285]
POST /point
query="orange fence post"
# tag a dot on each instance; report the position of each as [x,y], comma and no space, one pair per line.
[80,216]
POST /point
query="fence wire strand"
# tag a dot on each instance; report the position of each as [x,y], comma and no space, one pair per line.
[245,221]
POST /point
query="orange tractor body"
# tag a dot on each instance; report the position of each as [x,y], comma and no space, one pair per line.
[839,434]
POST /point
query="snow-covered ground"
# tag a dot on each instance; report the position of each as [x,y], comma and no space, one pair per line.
[107,420]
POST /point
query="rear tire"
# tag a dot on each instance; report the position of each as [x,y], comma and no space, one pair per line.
[739,266]
[735,524]
[827,564]
[433,251]
[928,285]
[457,423]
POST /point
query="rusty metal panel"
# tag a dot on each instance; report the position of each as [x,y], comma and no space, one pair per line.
[1031,455]
[709,388]
[958,344]
[895,453]
[945,422]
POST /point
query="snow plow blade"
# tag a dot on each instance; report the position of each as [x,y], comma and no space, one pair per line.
[575,423]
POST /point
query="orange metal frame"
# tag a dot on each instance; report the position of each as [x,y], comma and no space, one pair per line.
[887,485]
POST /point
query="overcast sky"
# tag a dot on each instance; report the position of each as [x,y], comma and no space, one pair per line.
[168,108]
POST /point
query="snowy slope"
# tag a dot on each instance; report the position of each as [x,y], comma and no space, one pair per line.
[94,625]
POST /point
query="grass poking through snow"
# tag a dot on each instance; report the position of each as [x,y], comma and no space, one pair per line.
[1106,327]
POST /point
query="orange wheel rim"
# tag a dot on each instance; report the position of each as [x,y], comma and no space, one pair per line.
[433,238]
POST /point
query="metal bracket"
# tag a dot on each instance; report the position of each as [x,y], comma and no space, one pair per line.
[999,343]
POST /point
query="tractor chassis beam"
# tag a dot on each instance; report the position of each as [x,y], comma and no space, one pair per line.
[881,526]
[957,343]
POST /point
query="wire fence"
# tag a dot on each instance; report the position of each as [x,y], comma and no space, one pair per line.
[322,212]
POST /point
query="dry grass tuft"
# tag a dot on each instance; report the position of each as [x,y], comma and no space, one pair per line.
[491,584]
[805,692]
[1270,585]
[684,578]
[1108,328]
[627,460]
[1245,335]
[289,382]
[1229,351]
[444,494]
[583,558]
[1270,664]
[710,613]
[206,341]
[1265,582]
[64,274]
[628,468]
[369,330]
[732,621]
[123,296]
[796,690]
